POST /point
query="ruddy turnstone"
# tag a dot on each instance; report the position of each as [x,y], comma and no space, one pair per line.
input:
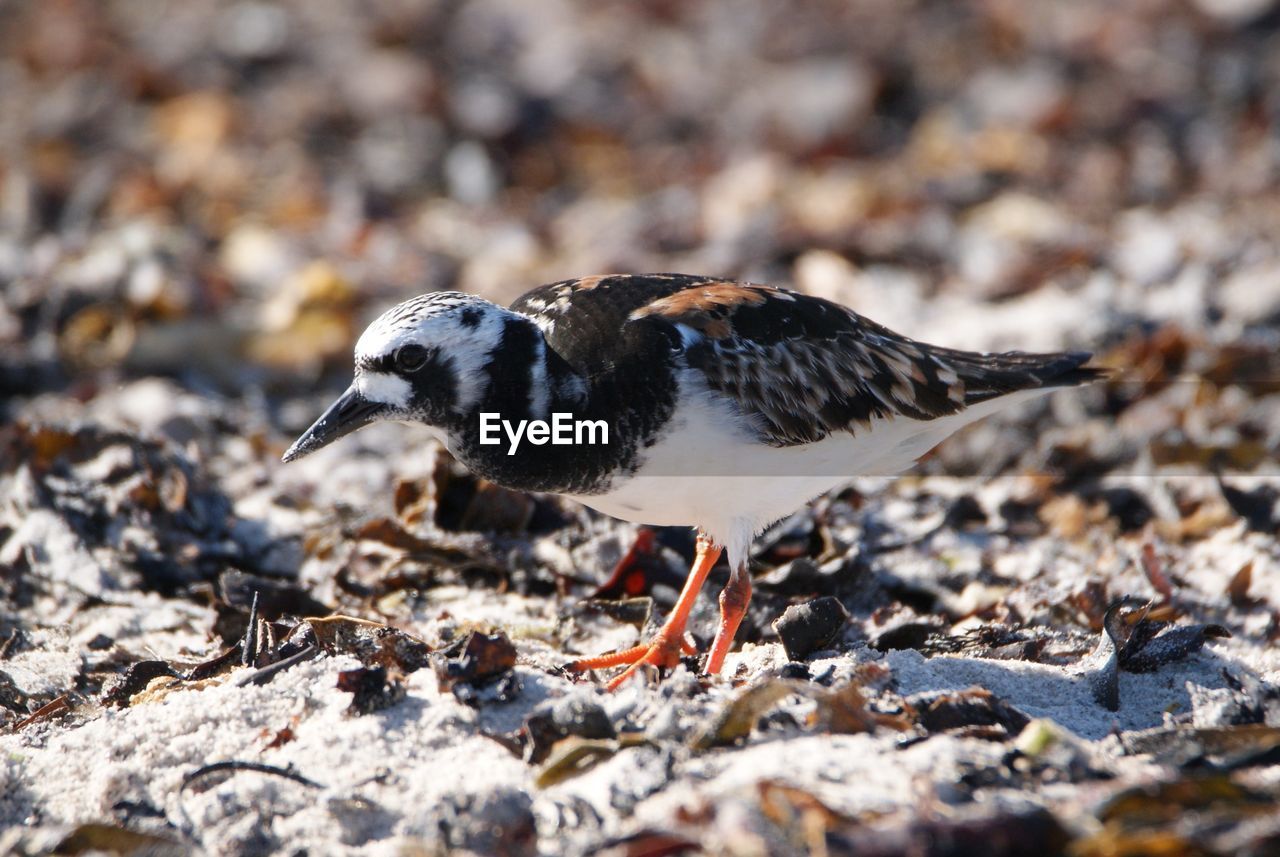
[727,406]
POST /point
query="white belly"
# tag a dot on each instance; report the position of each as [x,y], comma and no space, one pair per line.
[712,502]
[709,470]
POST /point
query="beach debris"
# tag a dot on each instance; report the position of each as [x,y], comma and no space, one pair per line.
[654,842]
[257,640]
[1091,601]
[12,698]
[1237,588]
[1259,506]
[90,493]
[262,675]
[59,705]
[100,838]
[233,766]
[1215,748]
[498,821]
[1154,570]
[577,754]
[811,626]
[842,710]
[474,662]
[803,819]
[222,662]
[387,655]
[578,714]
[133,681]
[906,630]
[378,647]
[1189,814]
[276,597]
[374,643]
[12,643]
[371,689]
[1151,645]
[1133,642]
[738,718]
[418,559]
[974,712]
[1017,833]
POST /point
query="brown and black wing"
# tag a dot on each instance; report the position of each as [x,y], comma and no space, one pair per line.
[804,367]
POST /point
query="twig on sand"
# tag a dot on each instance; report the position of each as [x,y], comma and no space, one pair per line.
[257,767]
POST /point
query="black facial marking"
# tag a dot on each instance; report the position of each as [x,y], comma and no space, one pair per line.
[470,317]
[435,387]
[384,363]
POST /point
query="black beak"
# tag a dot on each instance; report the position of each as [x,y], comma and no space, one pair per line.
[350,412]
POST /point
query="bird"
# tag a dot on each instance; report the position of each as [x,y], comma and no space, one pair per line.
[724,406]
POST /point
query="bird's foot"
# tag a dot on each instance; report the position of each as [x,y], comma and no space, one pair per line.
[663,651]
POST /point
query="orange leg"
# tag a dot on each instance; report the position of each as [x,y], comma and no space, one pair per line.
[733,606]
[669,643]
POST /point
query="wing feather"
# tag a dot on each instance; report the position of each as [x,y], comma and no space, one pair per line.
[800,367]
[803,367]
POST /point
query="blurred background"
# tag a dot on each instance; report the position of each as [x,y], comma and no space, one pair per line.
[222,194]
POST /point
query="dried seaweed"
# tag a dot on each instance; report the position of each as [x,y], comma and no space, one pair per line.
[474,662]
[974,712]
[375,644]
[575,715]
[97,838]
[736,720]
[234,766]
[1028,833]
[1224,749]
[575,755]
[1260,507]
[91,486]
[371,689]
[1177,816]
[842,710]
[1135,643]
[134,680]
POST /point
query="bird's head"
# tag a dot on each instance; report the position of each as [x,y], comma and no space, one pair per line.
[421,360]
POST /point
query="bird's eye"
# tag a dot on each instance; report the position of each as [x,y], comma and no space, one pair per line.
[411,358]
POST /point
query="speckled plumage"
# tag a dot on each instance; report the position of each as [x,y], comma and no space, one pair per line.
[801,366]
[728,405]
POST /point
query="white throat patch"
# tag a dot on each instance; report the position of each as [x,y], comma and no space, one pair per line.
[383,387]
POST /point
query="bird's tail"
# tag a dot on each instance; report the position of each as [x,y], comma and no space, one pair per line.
[987,376]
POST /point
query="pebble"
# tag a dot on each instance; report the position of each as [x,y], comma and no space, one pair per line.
[811,626]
